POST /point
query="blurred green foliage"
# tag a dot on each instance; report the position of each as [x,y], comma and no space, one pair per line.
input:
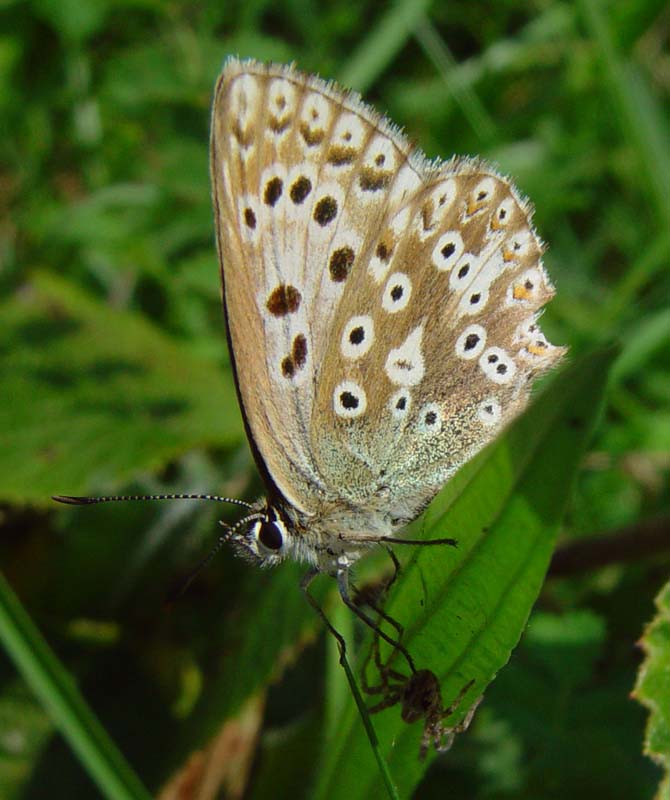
[114,376]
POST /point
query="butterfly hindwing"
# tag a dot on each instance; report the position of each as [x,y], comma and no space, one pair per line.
[433,351]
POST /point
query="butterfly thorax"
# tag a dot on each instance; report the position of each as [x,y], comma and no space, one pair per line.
[332,537]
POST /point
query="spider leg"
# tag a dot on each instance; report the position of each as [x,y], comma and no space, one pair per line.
[386,617]
[384,671]
[449,710]
[396,568]
[381,669]
[343,585]
[374,651]
[377,688]
[376,607]
[464,724]
[392,698]
[444,738]
[428,735]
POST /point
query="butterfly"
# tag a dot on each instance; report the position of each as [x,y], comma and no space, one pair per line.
[381,312]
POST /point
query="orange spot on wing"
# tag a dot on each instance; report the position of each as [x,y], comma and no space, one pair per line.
[473,207]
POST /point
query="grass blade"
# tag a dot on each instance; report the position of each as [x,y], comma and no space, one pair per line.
[462,91]
[54,686]
[641,118]
[375,53]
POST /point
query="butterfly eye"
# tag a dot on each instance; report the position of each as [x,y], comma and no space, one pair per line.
[270,536]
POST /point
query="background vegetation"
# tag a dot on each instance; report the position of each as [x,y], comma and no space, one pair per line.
[114,378]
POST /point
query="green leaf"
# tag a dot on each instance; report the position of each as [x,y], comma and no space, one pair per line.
[653,688]
[92,395]
[464,609]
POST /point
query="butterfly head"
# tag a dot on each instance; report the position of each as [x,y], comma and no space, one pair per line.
[262,538]
[273,532]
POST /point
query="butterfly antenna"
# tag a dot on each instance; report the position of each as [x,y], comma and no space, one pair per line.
[87,501]
[229,530]
[199,567]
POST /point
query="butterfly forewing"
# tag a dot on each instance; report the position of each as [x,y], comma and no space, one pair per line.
[382,309]
[299,191]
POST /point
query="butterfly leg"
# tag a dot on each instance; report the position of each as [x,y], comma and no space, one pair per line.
[385,674]
[304,585]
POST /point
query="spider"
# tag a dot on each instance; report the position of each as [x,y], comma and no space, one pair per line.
[420,694]
[420,697]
